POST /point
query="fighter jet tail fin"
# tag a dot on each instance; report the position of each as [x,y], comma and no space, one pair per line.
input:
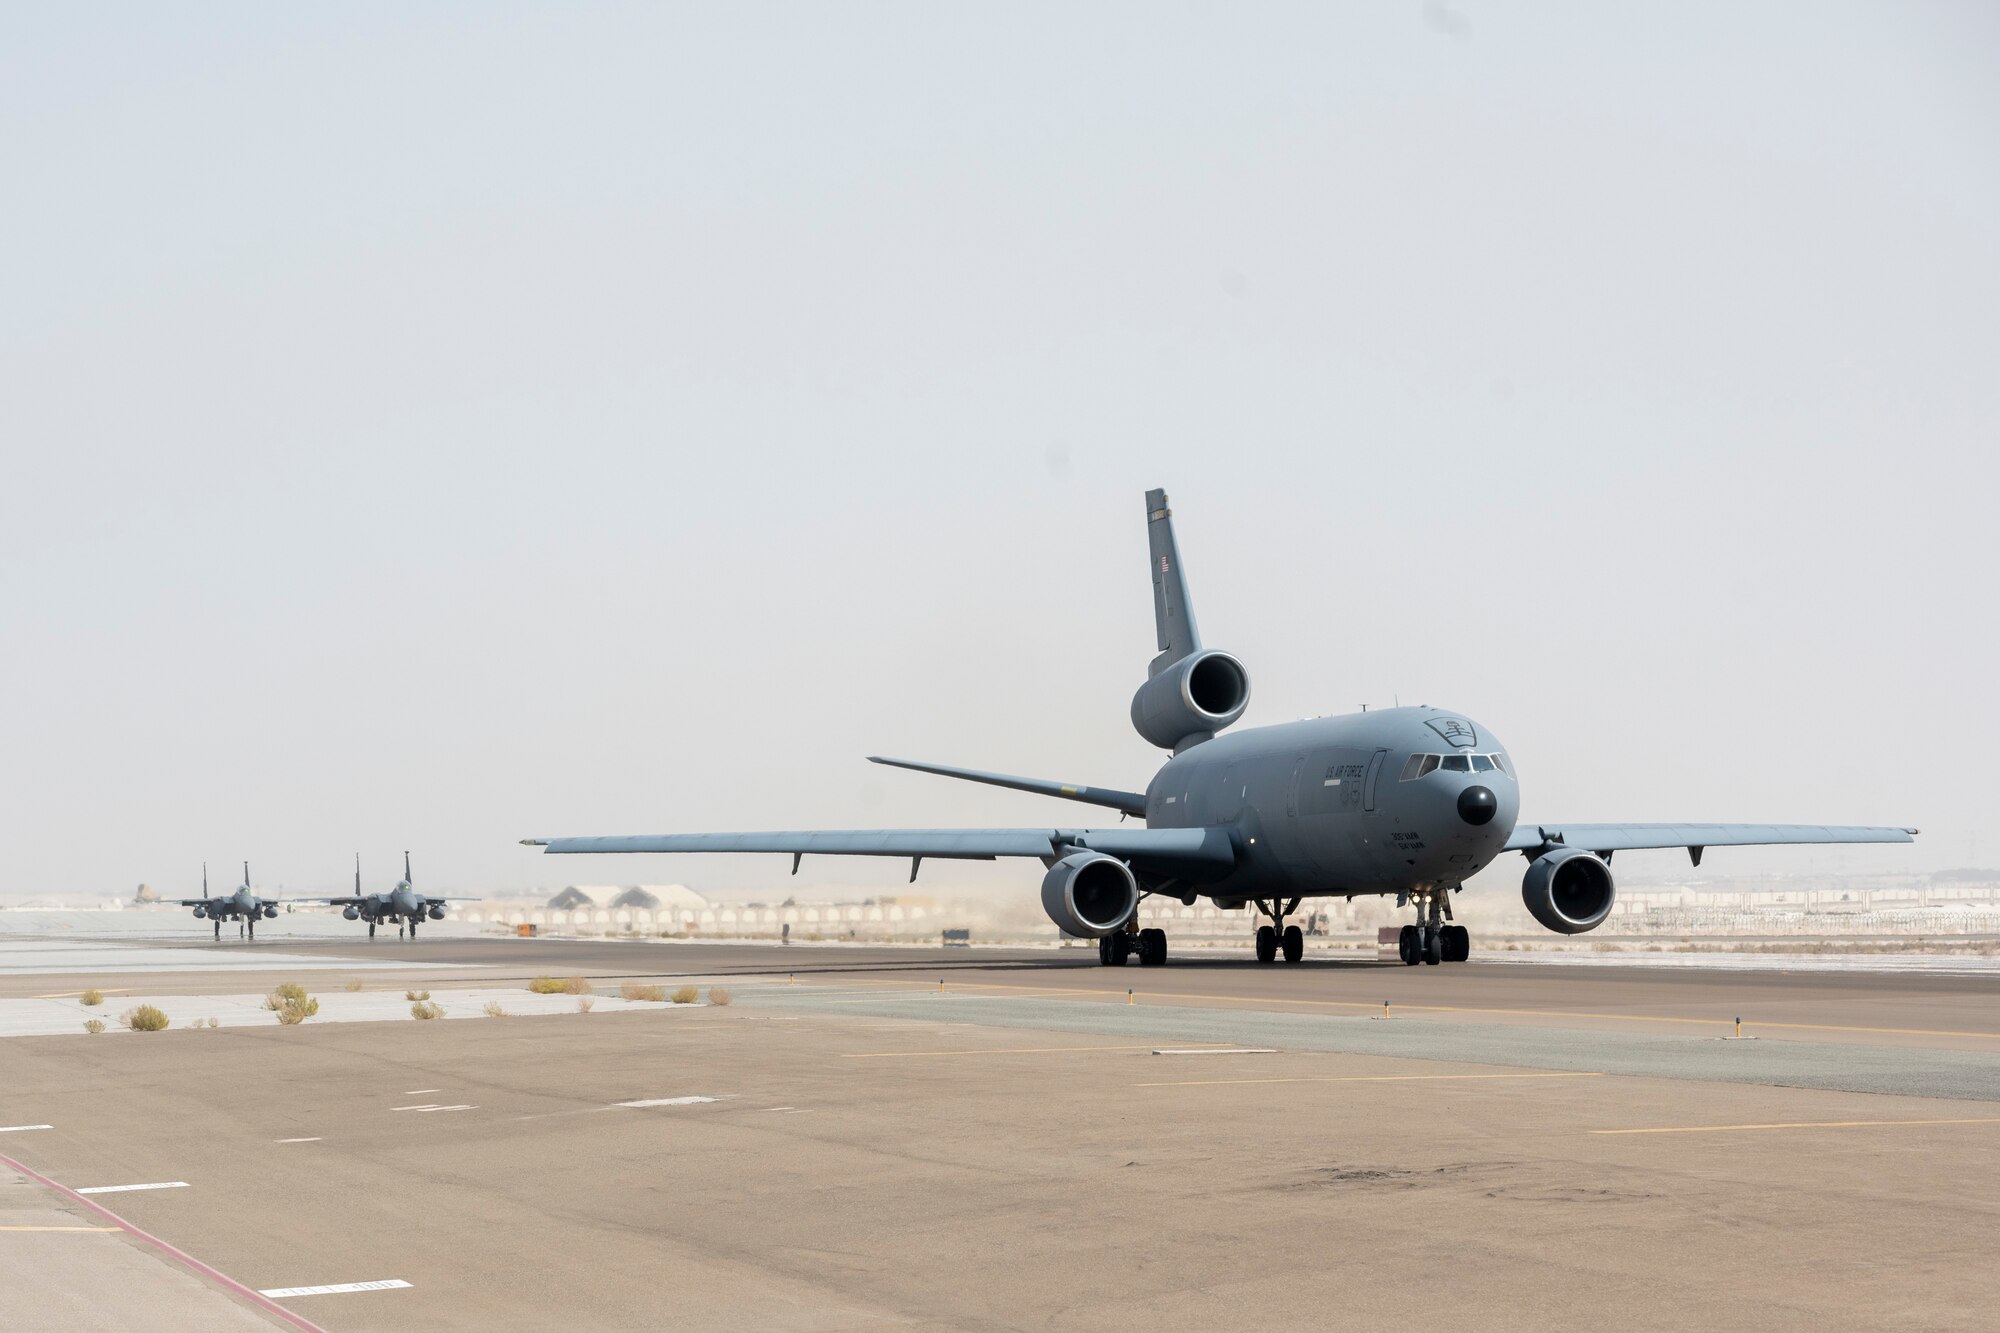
[1173,612]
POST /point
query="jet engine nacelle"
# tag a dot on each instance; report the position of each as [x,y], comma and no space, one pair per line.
[351,913]
[270,911]
[1568,890]
[1191,700]
[1089,894]
[437,911]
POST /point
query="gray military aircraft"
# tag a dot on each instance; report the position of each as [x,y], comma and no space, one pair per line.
[402,904]
[242,906]
[1405,801]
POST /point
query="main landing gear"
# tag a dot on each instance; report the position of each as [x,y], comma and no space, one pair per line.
[1149,944]
[1431,940]
[218,930]
[371,928]
[1279,936]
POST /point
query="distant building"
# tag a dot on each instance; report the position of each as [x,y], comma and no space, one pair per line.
[570,899]
[145,895]
[636,896]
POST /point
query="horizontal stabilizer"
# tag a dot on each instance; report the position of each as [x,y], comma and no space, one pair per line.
[1130,802]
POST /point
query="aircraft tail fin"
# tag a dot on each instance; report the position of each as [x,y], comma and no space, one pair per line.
[1173,611]
[357,874]
[204,879]
[1130,802]
[246,874]
[406,869]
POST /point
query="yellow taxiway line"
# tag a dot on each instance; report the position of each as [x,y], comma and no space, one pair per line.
[1794,1124]
[988,1050]
[1368,1078]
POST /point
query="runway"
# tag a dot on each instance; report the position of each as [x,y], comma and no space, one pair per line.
[850,1144]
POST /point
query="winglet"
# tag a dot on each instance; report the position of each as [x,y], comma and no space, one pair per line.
[1173,611]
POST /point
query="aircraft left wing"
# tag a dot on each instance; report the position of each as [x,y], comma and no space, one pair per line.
[1203,853]
[1693,837]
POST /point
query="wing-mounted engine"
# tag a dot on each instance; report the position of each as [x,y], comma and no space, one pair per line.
[1090,895]
[1190,700]
[1569,890]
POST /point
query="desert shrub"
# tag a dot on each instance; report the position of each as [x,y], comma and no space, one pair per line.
[416,995]
[93,1025]
[718,995]
[93,997]
[291,1004]
[633,990]
[425,1009]
[547,985]
[687,995]
[583,1003]
[213,1023]
[352,986]
[145,1018]
[289,992]
[577,986]
[493,1009]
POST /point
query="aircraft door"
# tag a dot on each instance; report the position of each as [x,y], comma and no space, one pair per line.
[1292,790]
[1368,785]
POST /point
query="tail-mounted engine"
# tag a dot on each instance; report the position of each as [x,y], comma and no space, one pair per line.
[1569,890]
[1090,895]
[1191,700]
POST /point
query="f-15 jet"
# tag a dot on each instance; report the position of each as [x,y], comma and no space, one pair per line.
[1410,802]
[242,906]
[402,904]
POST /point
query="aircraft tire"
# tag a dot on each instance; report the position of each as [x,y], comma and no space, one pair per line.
[1433,947]
[1457,944]
[1152,947]
[1407,945]
[1267,944]
[1294,944]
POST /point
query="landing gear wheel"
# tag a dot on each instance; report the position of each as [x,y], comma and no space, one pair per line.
[1409,946]
[371,930]
[1267,944]
[1457,944]
[1152,947]
[218,931]
[1295,944]
[1433,946]
[1114,949]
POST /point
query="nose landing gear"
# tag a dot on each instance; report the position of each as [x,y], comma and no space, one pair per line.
[1431,940]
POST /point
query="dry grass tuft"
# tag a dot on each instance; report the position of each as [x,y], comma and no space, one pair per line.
[633,990]
[145,1018]
[718,995]
[559,986]
[583,1003]
[352,986]
[425,1009]
[93,997]
[493,1009]
[416,995]
[687,995]
[93,1025]
[212,1023]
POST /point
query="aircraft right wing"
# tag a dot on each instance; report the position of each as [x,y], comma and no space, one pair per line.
[1533,838]
[1190,853]
[1129,802]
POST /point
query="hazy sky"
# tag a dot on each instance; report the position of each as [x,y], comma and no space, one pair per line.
[432,426]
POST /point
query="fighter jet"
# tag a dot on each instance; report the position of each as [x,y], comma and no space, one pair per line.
[242,906]
[402,904]
[1405,801]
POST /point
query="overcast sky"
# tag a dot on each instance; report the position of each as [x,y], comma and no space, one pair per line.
[433,426]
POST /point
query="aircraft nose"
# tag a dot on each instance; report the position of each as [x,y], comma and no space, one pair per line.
[1476,805]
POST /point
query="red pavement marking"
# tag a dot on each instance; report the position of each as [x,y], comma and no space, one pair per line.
[222,1280]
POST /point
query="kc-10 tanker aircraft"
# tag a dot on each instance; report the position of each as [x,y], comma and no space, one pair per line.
[1409,801]
[243,906]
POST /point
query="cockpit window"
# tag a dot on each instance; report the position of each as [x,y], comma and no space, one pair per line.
[1423,765]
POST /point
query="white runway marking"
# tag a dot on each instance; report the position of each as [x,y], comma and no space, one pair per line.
[126,1189]
[1212,1050]
[16,1129]
[314,1139]
[446,1108]
[418,1092]
[670,1101]
[426,1106]
[281,1293]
